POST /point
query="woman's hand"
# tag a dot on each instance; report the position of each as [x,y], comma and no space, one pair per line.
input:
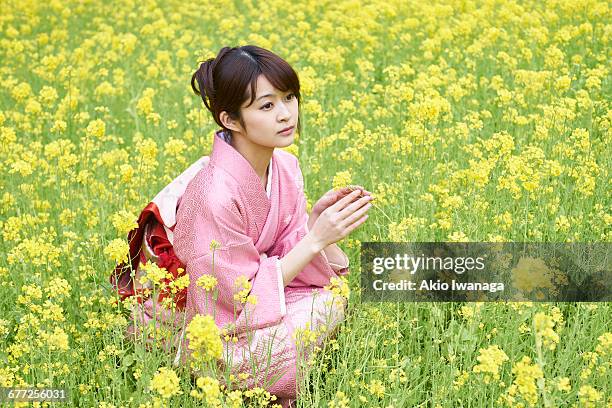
[330,198]
[341,218]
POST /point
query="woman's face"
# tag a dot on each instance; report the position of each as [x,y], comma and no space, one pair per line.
[270,112]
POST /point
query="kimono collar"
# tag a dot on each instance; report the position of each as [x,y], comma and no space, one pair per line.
[226,157]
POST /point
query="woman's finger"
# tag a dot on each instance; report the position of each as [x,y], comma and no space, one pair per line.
[354,206]
[365,192]
[346,200]
[356,215]
[356,224]
[344,191]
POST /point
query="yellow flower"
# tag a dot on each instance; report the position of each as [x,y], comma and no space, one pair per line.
[210,391]
[153,273]
[304,336]
[147,148]
[339,401]
[30,293]
[179,283]
[293,149]
[563,384]
[21,91]
[234,399]
[47,95]
[144,106]
[58,340]
[243,287]
[204,338]
[458,236]
[174,147]
[104,89]
[376,388]
[259,396]
[402,231]
[490,359]
[166,383]
[126,172]
[118,250]
[604,348]
[545,334]
[588,395]
[4,329]
[563,83]
[59,126]
[341,180]
[207,282]
[214,244]
[462,378]
[504,221]
[524,383]
[58,288]
[339,286]
[562,223]
[96,128]
[398,374]
[124,221]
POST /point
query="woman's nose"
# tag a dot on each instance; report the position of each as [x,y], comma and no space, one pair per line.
[285,113]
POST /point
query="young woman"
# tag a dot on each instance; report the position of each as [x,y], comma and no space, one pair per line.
[248,207]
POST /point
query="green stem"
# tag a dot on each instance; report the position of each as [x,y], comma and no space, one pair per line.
[383,213]
[540,361]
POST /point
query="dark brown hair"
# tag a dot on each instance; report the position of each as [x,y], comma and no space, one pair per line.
[228,80]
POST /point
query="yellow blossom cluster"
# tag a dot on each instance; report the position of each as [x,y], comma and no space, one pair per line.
[589,396]
[210,391]
[56,340]
[151,272]
[204,338]
[180,283]
[144,107]
[124,221]
[208,282]
[339,286]
[524,385]
[489,362]
[340,401]
[544,329]
[117,250]
[341,180]
[306,336]
[166,383]
[242,287]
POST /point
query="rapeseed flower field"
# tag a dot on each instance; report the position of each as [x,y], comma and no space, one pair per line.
[468,120]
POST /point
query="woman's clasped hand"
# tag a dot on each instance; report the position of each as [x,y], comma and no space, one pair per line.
[341,218]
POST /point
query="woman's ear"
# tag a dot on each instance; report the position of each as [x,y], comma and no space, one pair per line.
[228,122]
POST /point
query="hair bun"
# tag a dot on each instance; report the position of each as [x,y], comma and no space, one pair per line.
[204,78]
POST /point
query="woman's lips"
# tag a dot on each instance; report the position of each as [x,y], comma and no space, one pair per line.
[287,131]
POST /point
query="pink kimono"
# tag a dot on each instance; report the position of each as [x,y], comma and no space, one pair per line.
[226,201]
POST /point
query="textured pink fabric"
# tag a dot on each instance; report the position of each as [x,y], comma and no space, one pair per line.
[227,202]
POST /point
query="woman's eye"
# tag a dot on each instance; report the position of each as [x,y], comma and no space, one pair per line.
[269,104]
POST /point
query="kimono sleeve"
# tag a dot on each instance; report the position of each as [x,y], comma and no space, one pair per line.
[320,270]
[236,260]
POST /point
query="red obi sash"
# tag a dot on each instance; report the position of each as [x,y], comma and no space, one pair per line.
[151,241]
